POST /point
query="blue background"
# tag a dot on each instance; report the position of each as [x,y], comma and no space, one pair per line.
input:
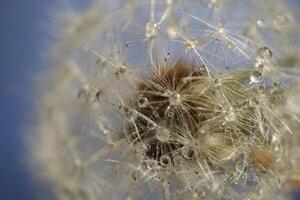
[21,41]
[19,60]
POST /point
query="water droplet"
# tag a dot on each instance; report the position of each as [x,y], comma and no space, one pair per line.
[281,21]
[204,128]
[172,33]
[201,194]
[99,95]
[151,125]
[188,152]
[218,82]
[132,115]
[256,76]
[240,165]
[278,149]
[170,114]
[143,102]
[155,114]
[175,99]
[82,94]
[152,30]
[165,160]
[163,134]
[245,178]
[255,179]
[120,70]
[191,44]
[230,116]
[123,109]
[260,23]
[276,85]
[134,175]
[263,54]
[259,65]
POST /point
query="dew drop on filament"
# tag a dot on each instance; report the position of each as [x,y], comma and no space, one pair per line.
[163,134]
[165,160]
[264,54]
[143,102]
[256,76]
[152,30]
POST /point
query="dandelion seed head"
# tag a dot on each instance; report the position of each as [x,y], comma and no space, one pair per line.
[172,100]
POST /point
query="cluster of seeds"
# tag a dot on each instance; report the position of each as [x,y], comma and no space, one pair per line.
[181,117]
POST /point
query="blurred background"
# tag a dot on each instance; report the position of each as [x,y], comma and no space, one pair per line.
[23,39]
[20,60]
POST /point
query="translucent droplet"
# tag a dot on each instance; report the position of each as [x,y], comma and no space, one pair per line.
[187,152]
[276,85]
[278,149]
[82,94]
[175,99]
[200,194]
[256,76]
[99,95]
[260,23]
[151,125]
[264,54]
[218,82]
[155,114]
[143,102]
[152,30]
[281,21]
[230,115]
[121,70]
[123,109]
[132,115]
[134,175]
[240,165]
[165,160]
[245,177]
[172,33]
[259,65]
[204,128]
[163,134]
[170,114]
[191,44]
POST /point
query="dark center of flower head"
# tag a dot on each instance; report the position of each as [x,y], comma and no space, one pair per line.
[169,110]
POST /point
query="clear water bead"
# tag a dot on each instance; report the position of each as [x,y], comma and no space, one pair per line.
[165,160]
[256,76]
[151,125]
[175,99]
[163,134]
[187,152]
[260,23]
[169,112]
[132,115]
[281,21]
[143,102]
[240,165]
[82,94]
[204,129]
[264,54]
[192,43]
[172,33]
[259,65]
[230,116]
[152,30]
